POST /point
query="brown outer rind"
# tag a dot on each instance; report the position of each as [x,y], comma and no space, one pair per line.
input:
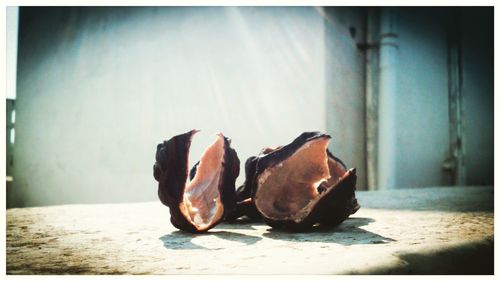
[336,204]
[171,172]
[339,202]
[244,202]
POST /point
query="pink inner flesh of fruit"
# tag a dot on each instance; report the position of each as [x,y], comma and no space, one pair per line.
[287,188]
[201,203]
[336,172]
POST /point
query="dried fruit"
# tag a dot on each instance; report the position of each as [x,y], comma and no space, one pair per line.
[301,184]
[200,203]
[245,205]
[244,202]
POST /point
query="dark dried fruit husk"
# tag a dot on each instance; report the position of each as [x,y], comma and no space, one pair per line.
[201,203]
[244,202]
[302,184]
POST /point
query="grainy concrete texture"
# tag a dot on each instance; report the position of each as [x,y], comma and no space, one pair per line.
[440,230]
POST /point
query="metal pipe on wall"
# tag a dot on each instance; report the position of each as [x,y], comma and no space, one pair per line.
[371,94]
[387,132]
[454,165]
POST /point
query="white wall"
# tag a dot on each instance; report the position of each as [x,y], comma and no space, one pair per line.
[345,92]
[99,88]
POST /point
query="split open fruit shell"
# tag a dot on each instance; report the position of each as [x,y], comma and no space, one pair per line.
[301,184]
[200,203]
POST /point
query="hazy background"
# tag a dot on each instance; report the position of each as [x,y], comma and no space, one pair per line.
[98,88]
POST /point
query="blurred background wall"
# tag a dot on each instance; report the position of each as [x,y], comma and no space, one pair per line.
[427,38]
[98,88]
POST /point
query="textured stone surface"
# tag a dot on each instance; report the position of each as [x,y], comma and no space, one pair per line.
[430,230]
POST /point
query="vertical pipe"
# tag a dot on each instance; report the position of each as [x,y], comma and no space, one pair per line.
[371,95]
[455,164]
[388,46]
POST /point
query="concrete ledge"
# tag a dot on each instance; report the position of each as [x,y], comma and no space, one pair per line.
[414,231]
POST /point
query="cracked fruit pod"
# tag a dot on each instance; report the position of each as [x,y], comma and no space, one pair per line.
[200,202]
[302,184]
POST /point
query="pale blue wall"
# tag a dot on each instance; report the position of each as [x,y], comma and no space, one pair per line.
[344,75]
[99,88]
[422,122]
